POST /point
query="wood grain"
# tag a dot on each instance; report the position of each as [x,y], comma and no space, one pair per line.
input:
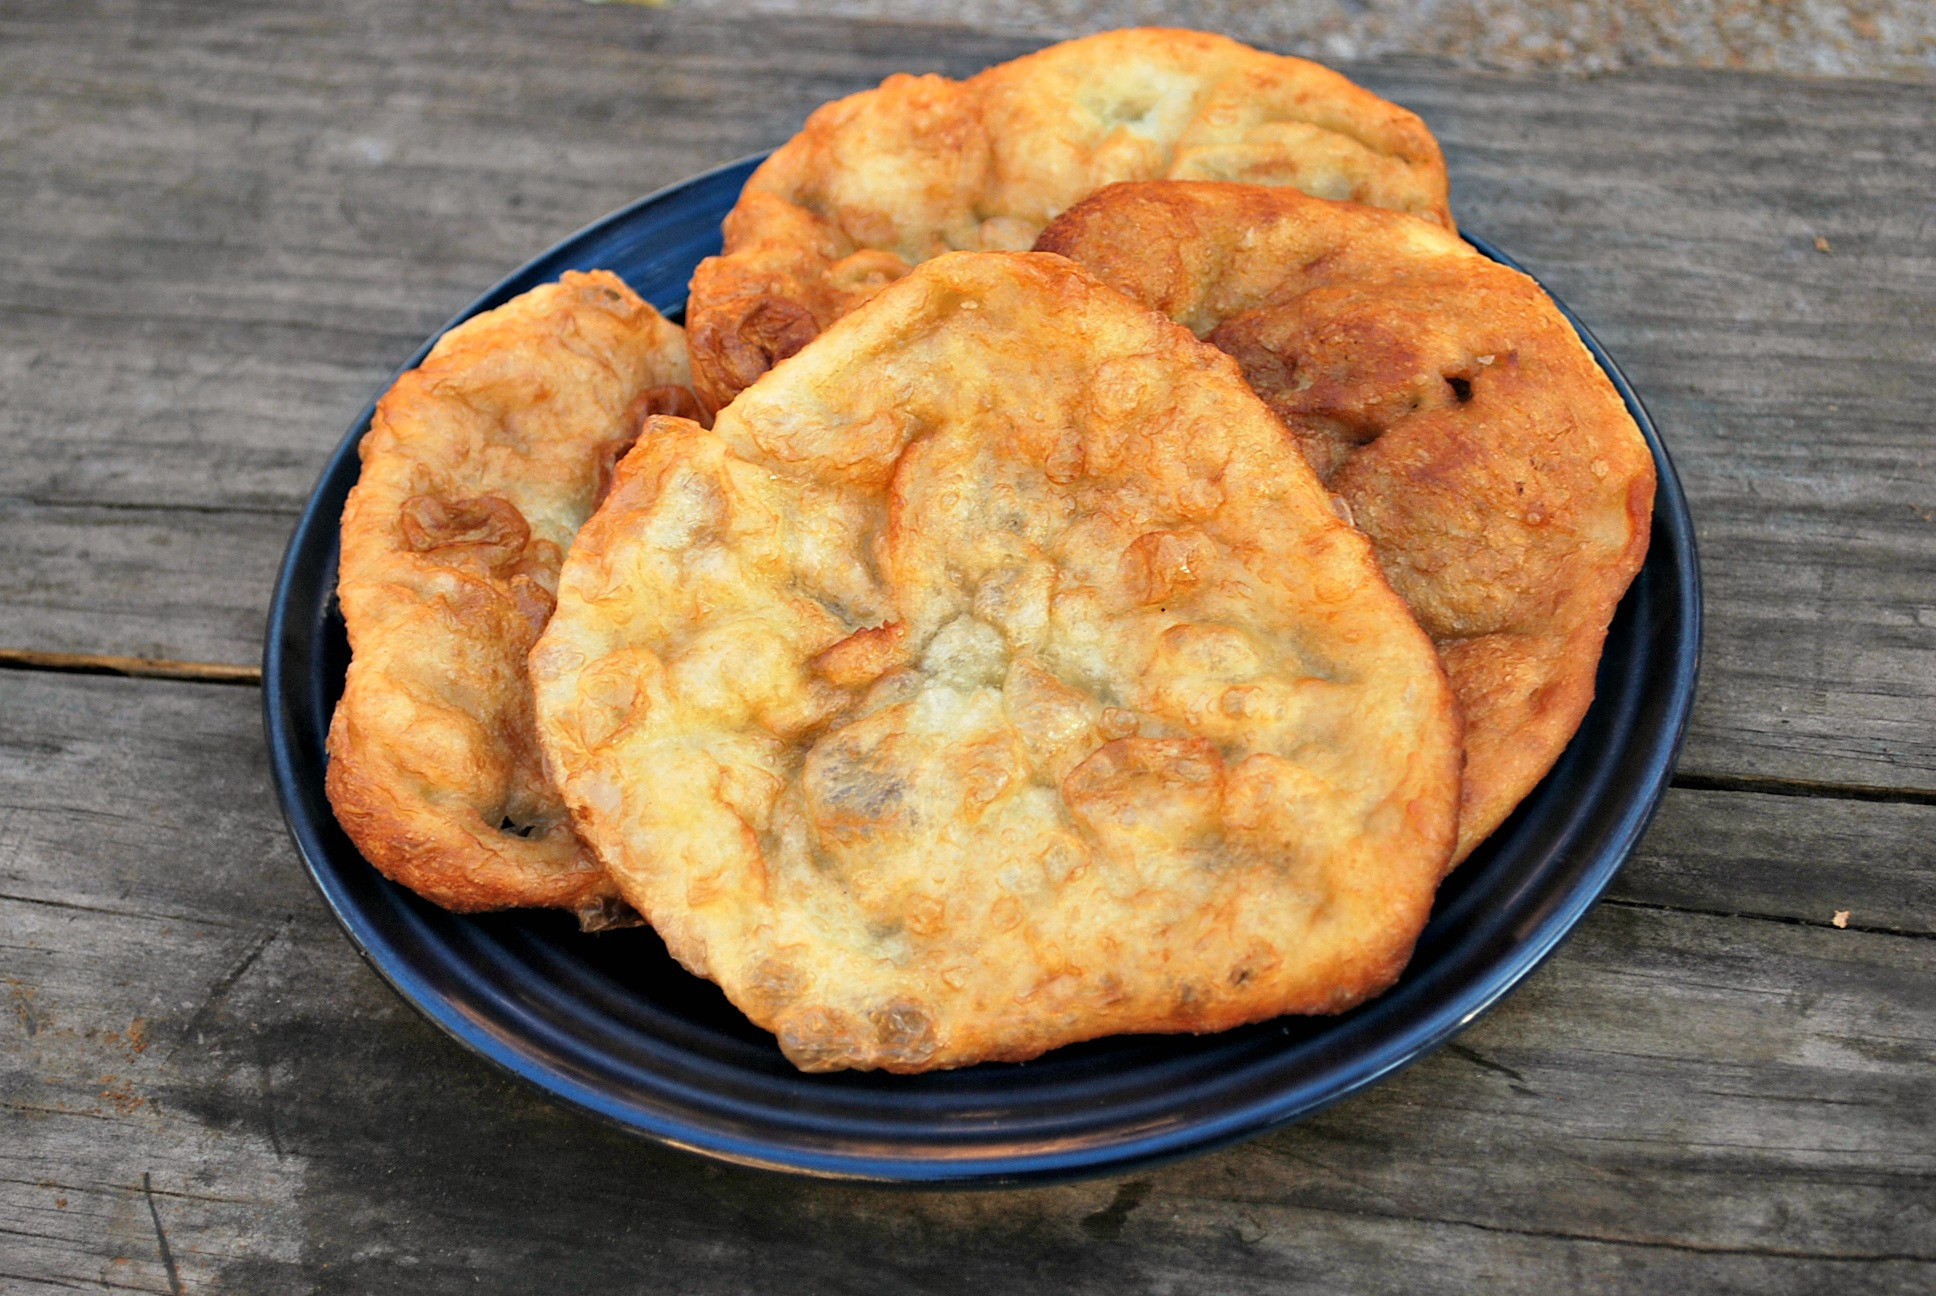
[190,584]
[1857,38]
[224,223]
[1790,384]
[131,667]
[227,222]
[1798,858]
[1681,1099]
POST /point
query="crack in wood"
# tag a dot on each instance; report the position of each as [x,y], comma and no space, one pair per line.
[1868,929]
[290,511]
[116,913]
[43,1282]
[1812,1100]
[8,1230]
[1479,1060]
[105,1188]
[228,673]
[1598,1239]
[1668,1244]
[39,1110]
[161,1237]
[27,659]
[226,982]
[20,308]
[1770,786]
[79,812]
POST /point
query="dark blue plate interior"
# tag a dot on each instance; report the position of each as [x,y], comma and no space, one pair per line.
[609,1024]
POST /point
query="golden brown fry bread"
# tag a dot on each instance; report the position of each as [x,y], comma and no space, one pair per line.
[996,675]
[478,469]
[1450,405]
[881,181]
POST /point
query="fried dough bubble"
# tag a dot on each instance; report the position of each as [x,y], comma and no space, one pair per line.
[880,181]
[478,468]
[995,675]
[1451,407]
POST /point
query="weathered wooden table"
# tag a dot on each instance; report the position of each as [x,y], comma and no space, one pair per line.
[221,225]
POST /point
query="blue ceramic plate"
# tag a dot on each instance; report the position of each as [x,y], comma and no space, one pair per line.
[610,1025]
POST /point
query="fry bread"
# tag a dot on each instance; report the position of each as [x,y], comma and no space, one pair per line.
[880,181]
[478,469]
[1448,403]
[996,675]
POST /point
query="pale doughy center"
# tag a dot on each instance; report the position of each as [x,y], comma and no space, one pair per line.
[995,676]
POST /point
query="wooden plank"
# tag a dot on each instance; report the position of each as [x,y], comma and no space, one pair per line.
[129,667]
[192,1052]
[1798,858]
[1881,39]
[1678,215]
[228,225]
[182,583]
[227,221]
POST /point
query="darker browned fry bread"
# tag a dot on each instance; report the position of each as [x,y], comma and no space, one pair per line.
[1008,666]
[1447,403]
[880,181]
[478,469]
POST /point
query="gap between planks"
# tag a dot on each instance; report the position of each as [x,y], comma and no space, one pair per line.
[1771,786]
[27,660]
[1791,920]
[24,659]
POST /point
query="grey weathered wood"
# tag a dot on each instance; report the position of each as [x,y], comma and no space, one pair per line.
[1787,382]
[183,583]
[1795,857]
[226,222]
[1855,38]
[1679,1101]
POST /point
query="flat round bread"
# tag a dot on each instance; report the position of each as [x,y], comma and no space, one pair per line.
[478,469]
[995,675]
[880,181]
[1448,403]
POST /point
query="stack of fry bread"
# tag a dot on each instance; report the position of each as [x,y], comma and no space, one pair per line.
[1101,550]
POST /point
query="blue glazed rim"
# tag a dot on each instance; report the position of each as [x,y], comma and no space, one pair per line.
[608,1025]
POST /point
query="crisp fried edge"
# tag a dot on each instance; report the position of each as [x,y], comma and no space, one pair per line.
[1356,975]
[1130,221]
[458,860]
[769,289]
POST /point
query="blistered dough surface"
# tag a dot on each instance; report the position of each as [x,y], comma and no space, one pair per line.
[995,675]
[880,181]
[478,469]
[1448,403]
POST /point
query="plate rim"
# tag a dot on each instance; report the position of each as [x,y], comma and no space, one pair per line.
[976,1169]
